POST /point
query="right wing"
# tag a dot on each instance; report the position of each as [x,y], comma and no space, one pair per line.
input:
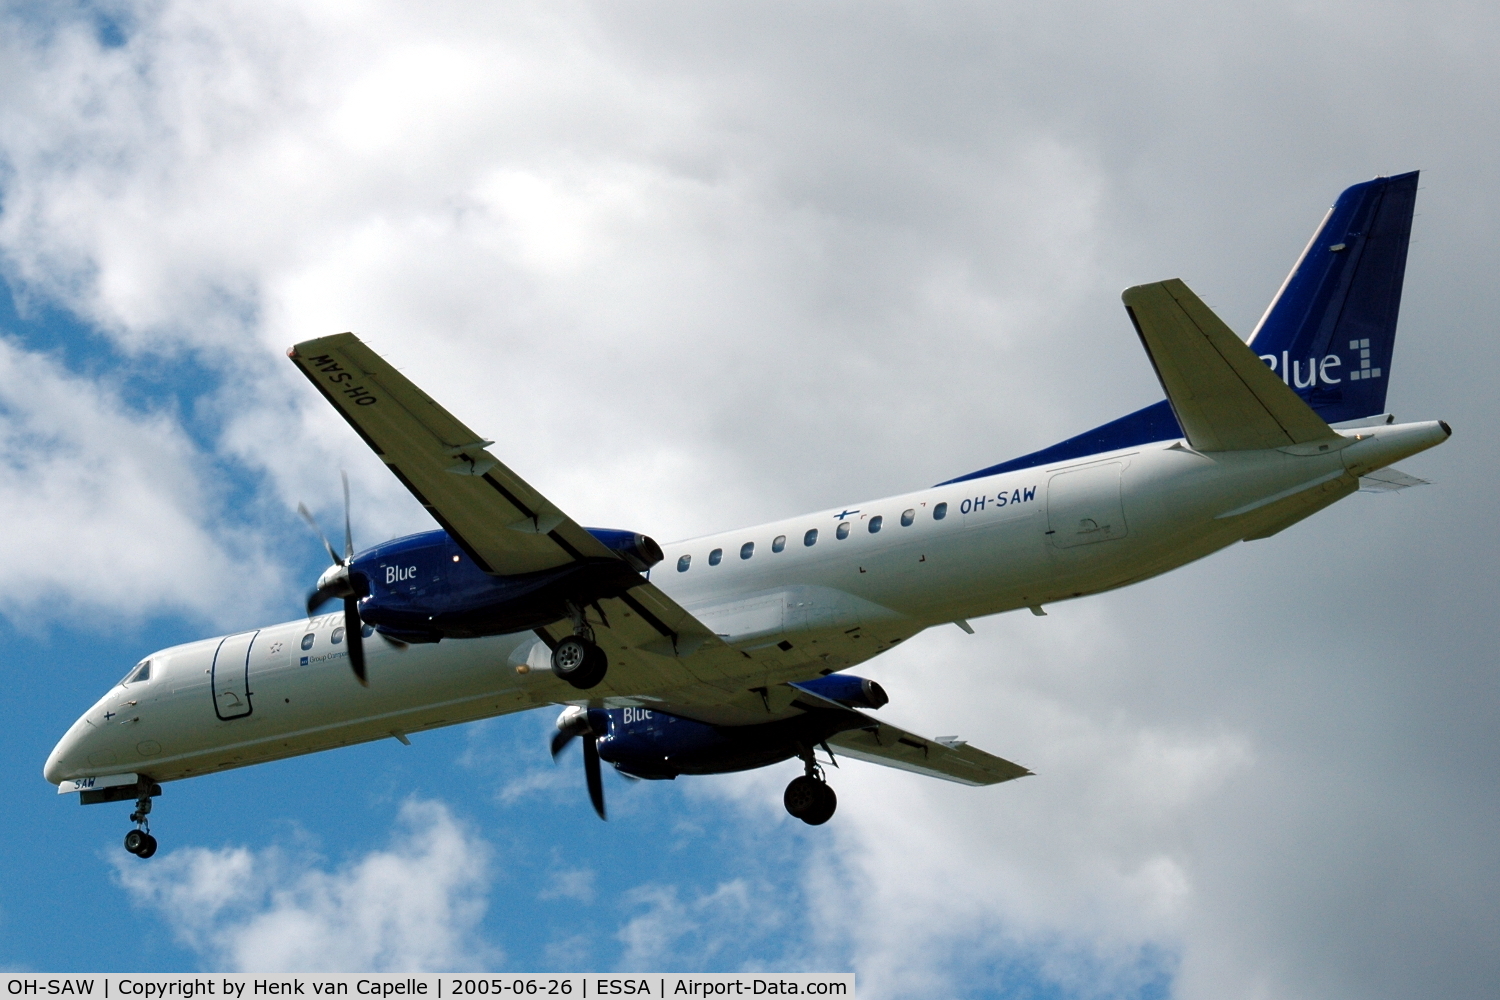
[871,740]
[1225,397]
[953,760]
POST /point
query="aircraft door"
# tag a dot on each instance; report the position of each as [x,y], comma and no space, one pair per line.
[1084,506]
[231,676]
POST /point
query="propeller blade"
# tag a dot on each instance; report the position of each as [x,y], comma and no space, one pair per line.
[560,740]
[354,637]
[591,774]
[307,516]
[320,597]
[348,531]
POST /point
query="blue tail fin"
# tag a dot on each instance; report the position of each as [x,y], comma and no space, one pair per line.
[1330,331]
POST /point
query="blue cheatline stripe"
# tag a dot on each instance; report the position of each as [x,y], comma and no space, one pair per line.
[1154,423]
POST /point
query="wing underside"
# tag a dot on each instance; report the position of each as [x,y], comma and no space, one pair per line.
[868,739]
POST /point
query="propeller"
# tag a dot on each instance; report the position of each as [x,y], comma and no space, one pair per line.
[337,583]
[574,722]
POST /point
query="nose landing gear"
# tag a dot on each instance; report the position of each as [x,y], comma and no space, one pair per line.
[808,797]
[139,841]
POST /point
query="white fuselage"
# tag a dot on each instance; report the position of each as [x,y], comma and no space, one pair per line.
[1015,540]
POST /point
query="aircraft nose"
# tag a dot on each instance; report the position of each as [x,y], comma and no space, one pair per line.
[67,758]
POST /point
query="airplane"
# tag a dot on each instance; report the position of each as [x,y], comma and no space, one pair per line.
[729,651]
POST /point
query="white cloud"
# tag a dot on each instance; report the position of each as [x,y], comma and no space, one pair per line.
[705,929]
[415,906]
[109,506]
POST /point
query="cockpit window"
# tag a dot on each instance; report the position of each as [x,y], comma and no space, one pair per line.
[141,672]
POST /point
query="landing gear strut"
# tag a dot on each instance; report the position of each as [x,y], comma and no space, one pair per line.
[808,797]
[578,659]
[139,841]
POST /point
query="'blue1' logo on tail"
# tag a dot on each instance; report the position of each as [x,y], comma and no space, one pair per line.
[1324,371]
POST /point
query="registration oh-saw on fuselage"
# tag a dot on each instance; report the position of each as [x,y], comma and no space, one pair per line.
[727,652]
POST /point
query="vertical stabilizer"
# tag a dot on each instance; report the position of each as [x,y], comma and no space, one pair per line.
[1330,331]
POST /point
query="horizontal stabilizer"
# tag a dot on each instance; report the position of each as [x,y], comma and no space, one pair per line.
[1388,481]
[1224,396]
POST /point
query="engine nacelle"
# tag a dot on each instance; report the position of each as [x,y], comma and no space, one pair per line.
[640,551]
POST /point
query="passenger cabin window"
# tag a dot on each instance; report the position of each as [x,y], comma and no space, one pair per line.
[843,531]
[715,556]
[747,550]
[369,630]
[907,517]
[778,543]
[811,538]
[337,637]
[940,511]
[876,522]
[307,641]
[684,563]
[141,672]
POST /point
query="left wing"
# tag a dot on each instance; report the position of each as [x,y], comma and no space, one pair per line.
[507,527]
[501,523]
[878,743]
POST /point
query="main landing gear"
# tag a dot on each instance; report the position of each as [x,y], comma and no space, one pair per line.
[808,797]
[578,659]
[139,841]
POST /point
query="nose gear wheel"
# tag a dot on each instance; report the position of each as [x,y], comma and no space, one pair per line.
[139,841]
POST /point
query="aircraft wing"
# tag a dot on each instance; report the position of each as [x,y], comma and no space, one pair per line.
[499,520]
[503,524]
[874,741]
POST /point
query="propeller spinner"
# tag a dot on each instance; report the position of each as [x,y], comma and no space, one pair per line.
[337,582]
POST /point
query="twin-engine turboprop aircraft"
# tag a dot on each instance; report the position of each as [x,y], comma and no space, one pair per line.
[726,652]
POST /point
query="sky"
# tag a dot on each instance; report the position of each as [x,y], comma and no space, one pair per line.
[698,266]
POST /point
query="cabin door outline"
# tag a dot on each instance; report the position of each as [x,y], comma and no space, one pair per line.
[231,676]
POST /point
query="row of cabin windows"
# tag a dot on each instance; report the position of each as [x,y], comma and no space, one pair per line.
[810,538]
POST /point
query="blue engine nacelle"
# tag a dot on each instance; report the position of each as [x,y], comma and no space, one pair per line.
[641,551]
[650,744]
[423,588]
[846,689]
